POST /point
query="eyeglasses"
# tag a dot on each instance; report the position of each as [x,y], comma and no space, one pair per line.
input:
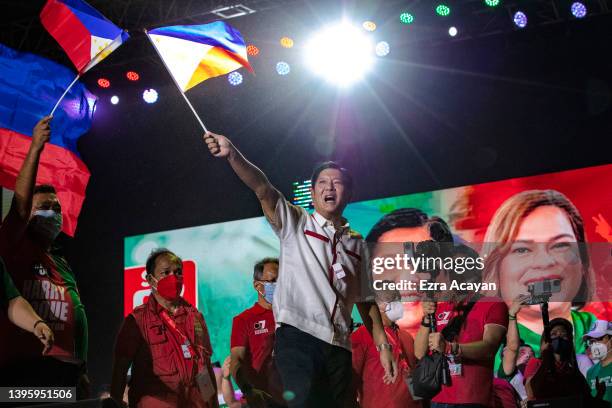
[267,281]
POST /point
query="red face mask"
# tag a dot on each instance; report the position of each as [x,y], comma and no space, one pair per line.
[170,287]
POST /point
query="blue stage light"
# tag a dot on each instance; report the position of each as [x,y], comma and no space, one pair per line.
[150,95]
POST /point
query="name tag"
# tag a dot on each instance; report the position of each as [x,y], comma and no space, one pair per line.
[338,270]
[186,352]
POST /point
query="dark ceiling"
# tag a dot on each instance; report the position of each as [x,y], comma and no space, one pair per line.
[494,104]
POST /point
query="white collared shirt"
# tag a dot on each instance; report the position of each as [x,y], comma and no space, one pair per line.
[321,275]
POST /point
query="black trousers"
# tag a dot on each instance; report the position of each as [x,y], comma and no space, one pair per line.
[314,373]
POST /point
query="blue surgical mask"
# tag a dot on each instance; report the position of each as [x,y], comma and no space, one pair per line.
[268,294]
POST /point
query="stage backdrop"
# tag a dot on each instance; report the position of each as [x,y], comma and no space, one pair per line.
[222,255]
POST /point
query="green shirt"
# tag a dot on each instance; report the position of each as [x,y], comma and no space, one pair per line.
[8,291]
[581,321]
[605,375]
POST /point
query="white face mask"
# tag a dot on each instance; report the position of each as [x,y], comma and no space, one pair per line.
[47,223]
[599,351]
[394,311]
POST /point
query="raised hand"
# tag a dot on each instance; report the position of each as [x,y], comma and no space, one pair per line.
[42,132]
[517,304]
[218,145]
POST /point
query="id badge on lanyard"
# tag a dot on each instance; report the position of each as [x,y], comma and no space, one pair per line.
[186,351]
[454,365]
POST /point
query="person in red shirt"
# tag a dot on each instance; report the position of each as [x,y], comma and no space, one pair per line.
[470,329]
[43,276]
[252,342]
[372,392]
[167,344]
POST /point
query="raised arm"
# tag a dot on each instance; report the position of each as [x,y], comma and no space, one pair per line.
[26,179]
[513,341]
[220,146]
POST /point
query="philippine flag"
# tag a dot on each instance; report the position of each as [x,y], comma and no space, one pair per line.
[195,53]
[84,34]
[29,86]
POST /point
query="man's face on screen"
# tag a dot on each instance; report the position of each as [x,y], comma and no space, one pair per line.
[330,193]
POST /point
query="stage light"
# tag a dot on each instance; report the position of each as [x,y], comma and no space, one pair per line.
[492,3]
[114,99]
[282,68]
[252,50]
[382,48]
[132,76]
[443,10]
[578,9]
[286,42]
[406,18]
[235,78]
[453,31]
[150,95]
[369,25]
[103,83]
[340,53]
[520,19]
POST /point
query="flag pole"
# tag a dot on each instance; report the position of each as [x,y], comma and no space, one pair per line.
[64,94]
[177,85]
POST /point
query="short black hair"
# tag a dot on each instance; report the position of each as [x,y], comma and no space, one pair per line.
[348,179]
[400,218]
[44,189]
[259,267]
[388,295]
[156,253]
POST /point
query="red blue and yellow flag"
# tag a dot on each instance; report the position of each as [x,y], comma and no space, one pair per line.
[195,53]
[29,86]
[84,34]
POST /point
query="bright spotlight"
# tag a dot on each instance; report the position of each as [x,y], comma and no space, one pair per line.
[520,19]
[452,31]
[382,49]
[235,78]
[150,95]
[341,54]
[579,10]
[282,68]
[114,99]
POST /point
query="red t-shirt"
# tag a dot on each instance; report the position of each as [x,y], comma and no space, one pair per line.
[368,372]
[254,330]
[37,278]
[475,384]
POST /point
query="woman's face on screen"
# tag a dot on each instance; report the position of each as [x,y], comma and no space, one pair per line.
[544,248]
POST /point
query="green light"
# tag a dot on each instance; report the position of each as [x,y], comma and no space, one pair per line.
[492,3]
[406,18]
[443,10]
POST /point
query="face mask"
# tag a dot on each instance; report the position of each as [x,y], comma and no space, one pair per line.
[169,287]
[47,223]
[599,351]
[269,288]
[561,346]
[395,311]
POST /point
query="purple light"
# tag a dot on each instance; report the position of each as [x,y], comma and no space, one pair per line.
[520,19]
[579,10]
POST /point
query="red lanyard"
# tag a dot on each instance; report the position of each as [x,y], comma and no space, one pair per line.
[171,324]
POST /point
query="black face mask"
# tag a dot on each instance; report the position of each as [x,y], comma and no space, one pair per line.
[561,347]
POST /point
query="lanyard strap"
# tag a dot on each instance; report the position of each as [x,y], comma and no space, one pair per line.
[171,324]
